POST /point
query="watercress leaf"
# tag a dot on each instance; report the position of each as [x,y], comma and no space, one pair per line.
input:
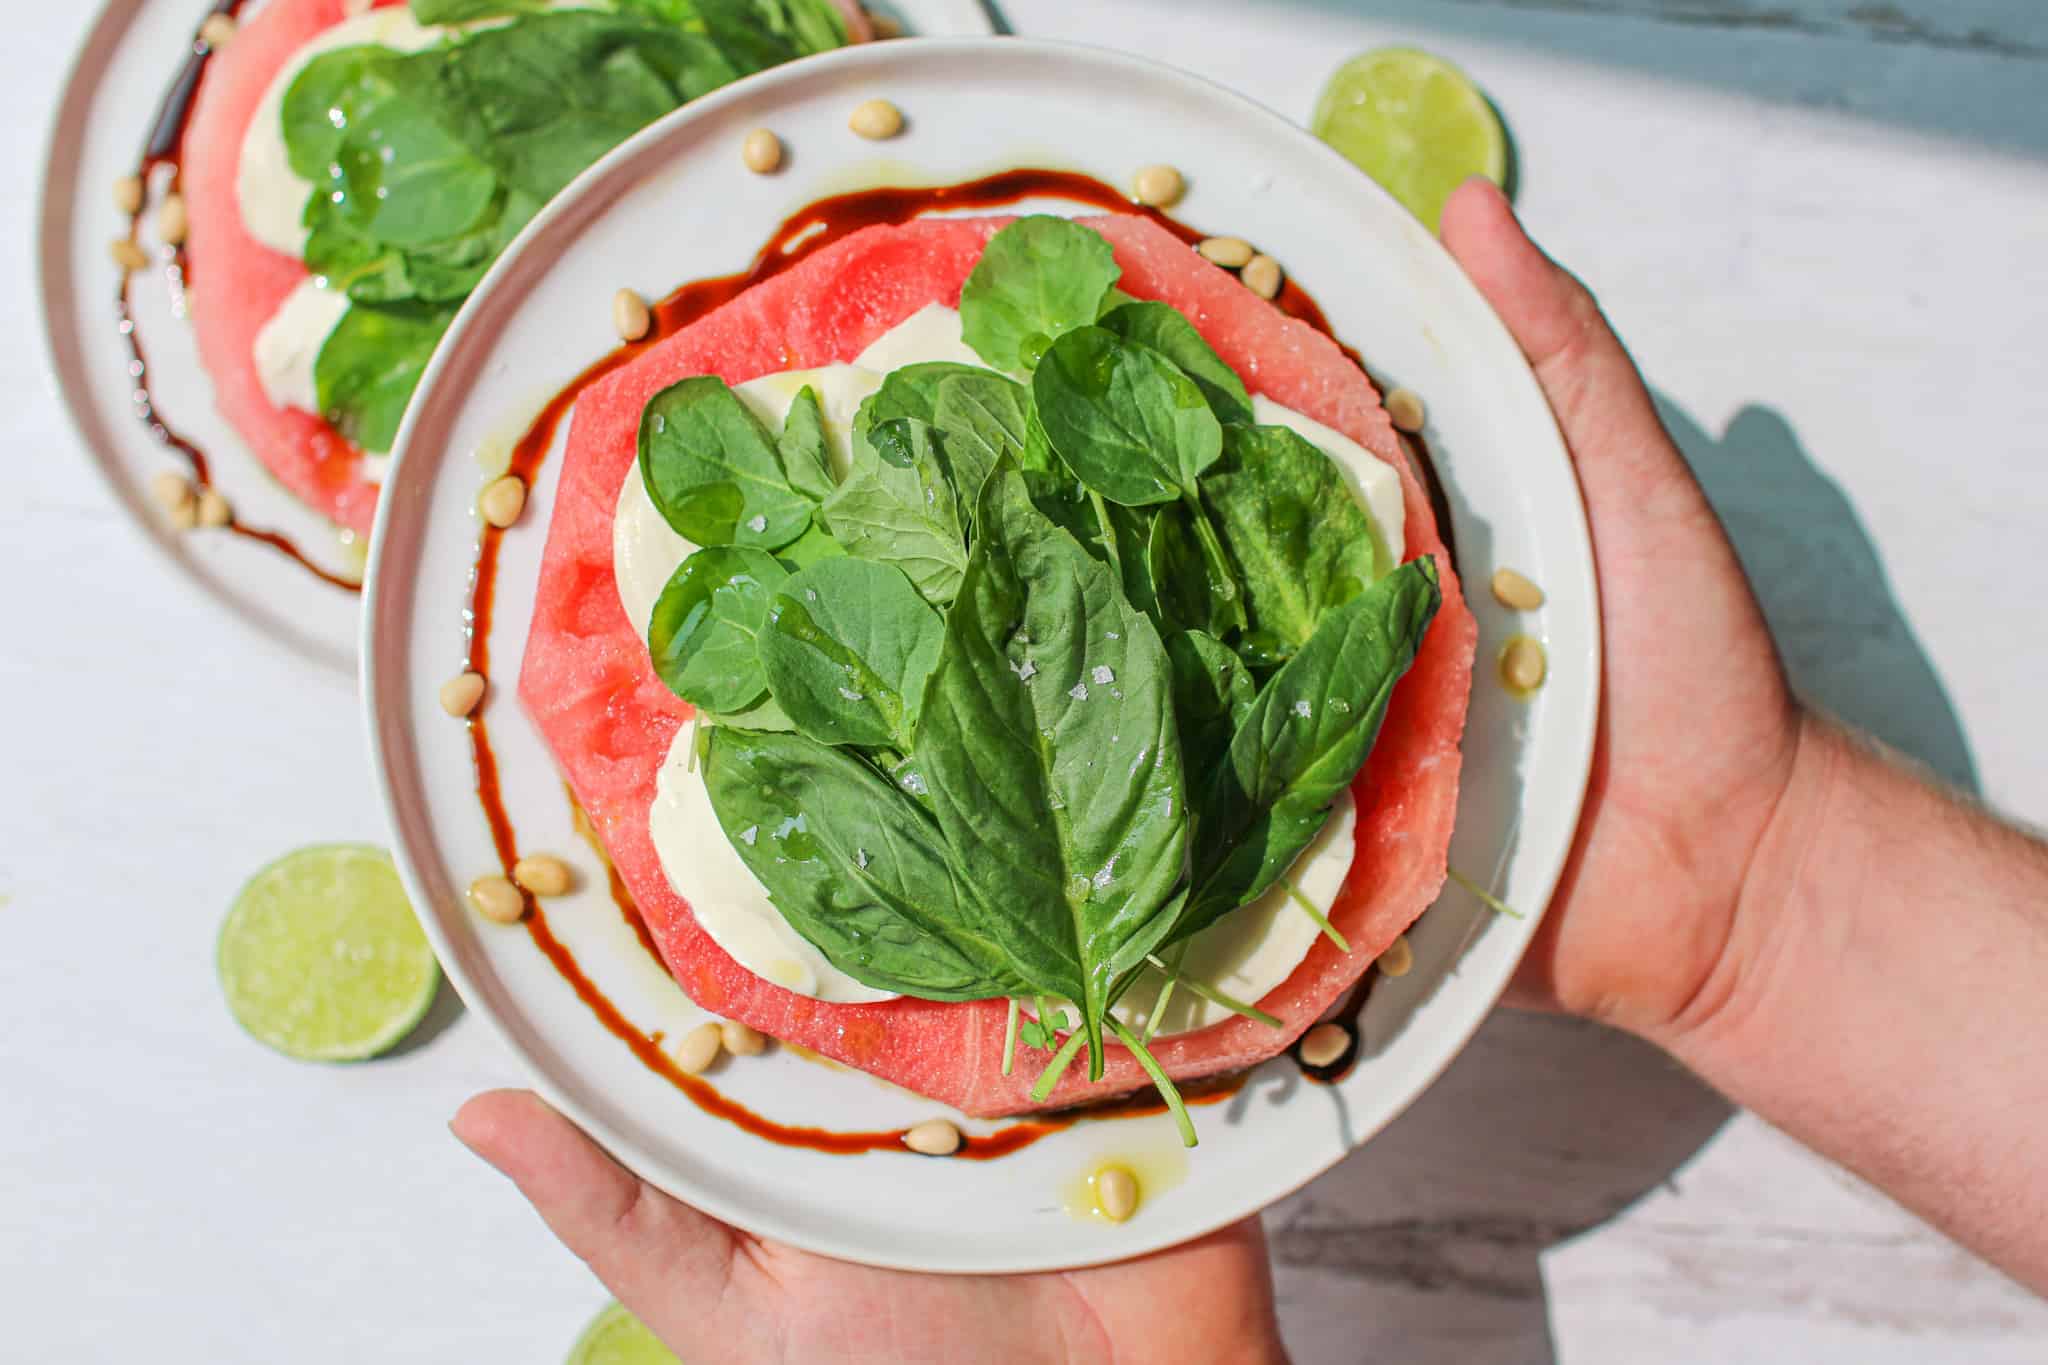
[909,391]
[1124,418]
[714,472]
[1303,740]
[706,624]
[1162,328]
[370,364]
[802,447]
[1047,739]
[847,649]
[765,714]
[1288,519]
[980,416]
[325,100]
[901,510]
[810,548]
[853,864]
[1187,592]
[1041,276]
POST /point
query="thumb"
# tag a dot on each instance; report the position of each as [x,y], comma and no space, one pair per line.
[1624,457]
[651,1251]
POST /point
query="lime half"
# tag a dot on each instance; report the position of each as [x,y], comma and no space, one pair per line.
[1413,122]
[321,957]
[616,1337]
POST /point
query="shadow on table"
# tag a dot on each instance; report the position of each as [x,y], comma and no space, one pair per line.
[440,1017]
[1424,1246]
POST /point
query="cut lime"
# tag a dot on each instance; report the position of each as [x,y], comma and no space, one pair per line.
[321,957]
[1413,122]
[616,1337]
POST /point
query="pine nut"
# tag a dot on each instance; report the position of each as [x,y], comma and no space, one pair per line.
[876,120]
[171,488]
[741,1040]
[185,515]
[218,31]
[128,193]
[543,875]
[215,511]
[1261,275]
[933,1137]
[128,255]
[1232,253]
[1159,187]
[630,315]
[1324,1044]
[1515,592]
[762,151]
[1116,1193]
[1404,406]
[698,1050]
[886,26]
[1522,664]
[462,694]
[172,222]
[497,899]
[1398,959]
[503,501]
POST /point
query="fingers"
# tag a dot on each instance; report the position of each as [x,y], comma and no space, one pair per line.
[1606,412]
[648,1249]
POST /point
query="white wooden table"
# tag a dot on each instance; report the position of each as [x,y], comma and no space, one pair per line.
[1822,226]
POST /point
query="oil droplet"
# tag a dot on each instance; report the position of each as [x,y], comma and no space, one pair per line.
[1156,1168]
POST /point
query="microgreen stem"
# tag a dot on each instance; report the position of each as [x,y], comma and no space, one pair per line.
[1486,898]
[1057,1067]
[1216,997]
[1160,1079]
[1322,920]
[1116,558]
[1010,1038]
[1180,953]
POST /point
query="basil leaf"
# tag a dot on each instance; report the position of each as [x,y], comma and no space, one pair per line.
[853,864]
[762,715]
[900,509]
[371,362]
[1134,428]
[1161,328]
[1212,693]
[713,471]
[981,416]
[1047,738]
[466,11]
[801,447]
[326,99]
[1298,537]
[405,182]
[846,651]
[1186,592]
[706,622]
[1303,741]
[1041,276]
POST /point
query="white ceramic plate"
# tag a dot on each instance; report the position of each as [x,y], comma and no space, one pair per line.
[129,58]
[675,205]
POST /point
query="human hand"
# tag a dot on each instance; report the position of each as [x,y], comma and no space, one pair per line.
[1698,729]
[715,1293]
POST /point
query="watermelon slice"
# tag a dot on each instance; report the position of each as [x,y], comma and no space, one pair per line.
[590,687]
[237,283]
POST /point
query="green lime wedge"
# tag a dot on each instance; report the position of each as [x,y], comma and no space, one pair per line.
[616,1337]
[321,957]
[1413,122]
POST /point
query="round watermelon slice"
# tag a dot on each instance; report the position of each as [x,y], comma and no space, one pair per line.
[237,283]
[589,685]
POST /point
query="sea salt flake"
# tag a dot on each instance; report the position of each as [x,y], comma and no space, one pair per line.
[1301,709]
[851,695]
[757,523]
[1103,676]
[1079,691]
[749,834]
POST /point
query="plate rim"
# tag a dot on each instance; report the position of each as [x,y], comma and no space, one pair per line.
[373,666]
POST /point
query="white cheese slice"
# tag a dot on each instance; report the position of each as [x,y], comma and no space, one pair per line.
[931,333]
[289,345]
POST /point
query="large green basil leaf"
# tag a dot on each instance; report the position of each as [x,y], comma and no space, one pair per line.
[899,508]
[1187,589]
[981,416]
[1124,418]
[370,364]
[1213,691]
[1303,741]
[706,622]
[1162,328]
[713,470]
[854,865]
[846,651]
[1047,740]
[1299,539]
[1038,278]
